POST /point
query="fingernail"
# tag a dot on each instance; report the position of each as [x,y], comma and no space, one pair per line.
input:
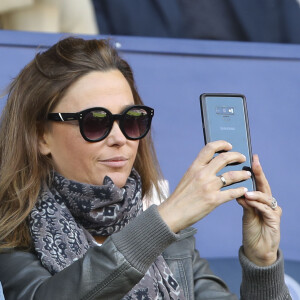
[250,194]
[249,173]
[246,190]
[258,160]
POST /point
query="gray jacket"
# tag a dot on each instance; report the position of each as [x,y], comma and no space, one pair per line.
[110,271]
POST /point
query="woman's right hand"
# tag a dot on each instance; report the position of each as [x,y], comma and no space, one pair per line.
[198,192]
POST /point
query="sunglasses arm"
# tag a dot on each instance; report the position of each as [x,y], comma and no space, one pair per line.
[62,117]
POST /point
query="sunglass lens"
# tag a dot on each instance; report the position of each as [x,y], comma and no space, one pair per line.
[136,122]
[96,124]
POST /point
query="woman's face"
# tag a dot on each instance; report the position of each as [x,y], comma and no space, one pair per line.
[83,161]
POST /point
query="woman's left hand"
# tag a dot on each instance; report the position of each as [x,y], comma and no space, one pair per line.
[261,223]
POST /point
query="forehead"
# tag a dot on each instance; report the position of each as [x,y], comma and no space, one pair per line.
[107,89]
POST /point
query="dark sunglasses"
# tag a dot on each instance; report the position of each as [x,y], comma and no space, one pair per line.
[96,123]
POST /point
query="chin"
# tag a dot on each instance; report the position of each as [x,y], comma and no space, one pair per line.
[119,179]
[120,183]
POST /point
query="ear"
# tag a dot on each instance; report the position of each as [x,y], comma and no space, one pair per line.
[43,143]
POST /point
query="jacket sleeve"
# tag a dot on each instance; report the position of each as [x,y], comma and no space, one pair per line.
[106,272]
[259,283]
[263,282]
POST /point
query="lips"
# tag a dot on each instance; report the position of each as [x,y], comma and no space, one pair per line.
[115,162]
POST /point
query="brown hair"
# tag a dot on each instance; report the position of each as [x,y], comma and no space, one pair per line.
[32,95]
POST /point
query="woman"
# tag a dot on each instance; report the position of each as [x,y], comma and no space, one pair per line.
[76,162]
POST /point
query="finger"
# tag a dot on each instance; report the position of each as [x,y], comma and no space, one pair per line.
[266,210]
[249,210]
[231,177]
[223,159]
[241,201]
[261,181]
[207,153]
[262,198]
[230,194]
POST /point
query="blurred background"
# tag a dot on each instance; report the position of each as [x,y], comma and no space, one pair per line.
[275,21]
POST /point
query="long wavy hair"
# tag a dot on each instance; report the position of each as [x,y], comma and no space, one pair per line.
[31,96]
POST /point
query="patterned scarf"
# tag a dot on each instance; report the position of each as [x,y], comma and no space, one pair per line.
[67,216]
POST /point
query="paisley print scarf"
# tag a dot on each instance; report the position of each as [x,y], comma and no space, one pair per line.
[67,216]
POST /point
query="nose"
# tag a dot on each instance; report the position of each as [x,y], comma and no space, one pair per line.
[116,136]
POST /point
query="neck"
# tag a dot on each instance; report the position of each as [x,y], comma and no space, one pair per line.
[100,239]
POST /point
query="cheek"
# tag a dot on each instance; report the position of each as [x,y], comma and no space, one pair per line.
[66,136]
[67,146]
[135,148]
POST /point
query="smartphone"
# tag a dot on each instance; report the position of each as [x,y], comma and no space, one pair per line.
[225,117]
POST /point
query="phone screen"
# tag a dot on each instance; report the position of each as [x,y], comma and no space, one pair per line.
[224,117]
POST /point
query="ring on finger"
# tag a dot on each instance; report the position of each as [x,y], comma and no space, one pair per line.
[273,203]
[222,179]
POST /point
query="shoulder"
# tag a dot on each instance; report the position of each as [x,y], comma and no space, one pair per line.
[18,263]
[11,258]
